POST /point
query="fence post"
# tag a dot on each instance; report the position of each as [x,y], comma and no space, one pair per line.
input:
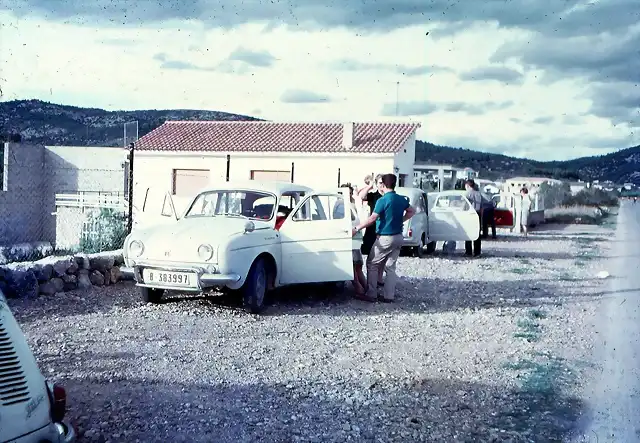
[228,167]
[130,211]
[338,177]
[293,165]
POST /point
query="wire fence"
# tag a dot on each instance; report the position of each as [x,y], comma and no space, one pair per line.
[54,207]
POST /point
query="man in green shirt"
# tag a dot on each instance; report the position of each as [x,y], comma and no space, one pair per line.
[389,215]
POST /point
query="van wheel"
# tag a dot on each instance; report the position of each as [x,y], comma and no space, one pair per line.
[431,247]
[151,295]
[418,251]
[255,288]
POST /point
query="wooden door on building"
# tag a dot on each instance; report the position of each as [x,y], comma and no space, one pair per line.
[187,182]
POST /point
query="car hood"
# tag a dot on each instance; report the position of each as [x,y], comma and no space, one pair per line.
[182,238]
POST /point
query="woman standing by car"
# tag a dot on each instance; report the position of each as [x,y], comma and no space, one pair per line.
[525,208]
[371,198]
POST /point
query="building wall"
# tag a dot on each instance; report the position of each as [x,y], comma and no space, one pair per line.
[154,170]
[84,168]
[405,159]
[21,203]
[35,173]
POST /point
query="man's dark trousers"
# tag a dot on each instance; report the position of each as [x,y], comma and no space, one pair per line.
[488,216]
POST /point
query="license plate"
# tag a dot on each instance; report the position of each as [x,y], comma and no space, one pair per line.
[169,278]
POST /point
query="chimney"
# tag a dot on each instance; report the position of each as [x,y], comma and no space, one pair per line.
[347,135]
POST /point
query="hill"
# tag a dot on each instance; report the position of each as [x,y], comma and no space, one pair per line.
[52,124]
[47,123]
[619,167]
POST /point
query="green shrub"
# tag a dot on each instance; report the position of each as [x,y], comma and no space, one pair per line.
[107,230]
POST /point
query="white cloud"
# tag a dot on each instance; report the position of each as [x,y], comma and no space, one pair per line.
[119,68]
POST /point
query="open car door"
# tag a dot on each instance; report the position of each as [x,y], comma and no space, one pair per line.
[316,241]
[504,212]
[155,207]
[452,218]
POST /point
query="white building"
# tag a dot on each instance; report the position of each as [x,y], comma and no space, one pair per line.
[184,156]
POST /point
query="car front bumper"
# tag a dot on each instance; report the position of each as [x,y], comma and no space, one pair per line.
[53,433]
[205,280]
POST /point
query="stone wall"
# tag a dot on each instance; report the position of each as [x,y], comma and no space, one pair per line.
[60,274]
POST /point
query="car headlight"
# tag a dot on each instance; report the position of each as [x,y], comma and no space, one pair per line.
[205,252]
[136,248]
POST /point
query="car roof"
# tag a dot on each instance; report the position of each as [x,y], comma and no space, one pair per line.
[273,186]
[408,192]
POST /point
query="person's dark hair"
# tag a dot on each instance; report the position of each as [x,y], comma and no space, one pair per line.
[470,183]
[524,190]
[389,181]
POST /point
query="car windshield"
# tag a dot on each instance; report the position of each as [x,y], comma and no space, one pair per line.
[233,203]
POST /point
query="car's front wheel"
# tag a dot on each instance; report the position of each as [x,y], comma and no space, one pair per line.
[255,287]
[151,295]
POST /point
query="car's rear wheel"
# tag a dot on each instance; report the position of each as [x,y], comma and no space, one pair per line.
[431,247]
[255,287]
[151,295]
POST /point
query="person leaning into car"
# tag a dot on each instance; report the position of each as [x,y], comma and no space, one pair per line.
[389,215]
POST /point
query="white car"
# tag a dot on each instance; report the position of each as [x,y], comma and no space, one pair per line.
[245,237]
[31,408]
[440,216]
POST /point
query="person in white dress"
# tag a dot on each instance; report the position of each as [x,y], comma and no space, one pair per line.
[525,208]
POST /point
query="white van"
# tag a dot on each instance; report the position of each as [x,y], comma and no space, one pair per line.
[31,408]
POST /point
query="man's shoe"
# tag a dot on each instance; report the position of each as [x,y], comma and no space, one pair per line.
[385,300]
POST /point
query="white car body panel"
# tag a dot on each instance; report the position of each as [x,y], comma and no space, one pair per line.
[25,408]
[418,225]
[452,217]
[316,250]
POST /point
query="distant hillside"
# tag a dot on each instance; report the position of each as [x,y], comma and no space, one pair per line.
[51,124]
[620,167]
[46,123]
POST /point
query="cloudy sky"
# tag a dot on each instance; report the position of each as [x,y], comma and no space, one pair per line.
[547,79]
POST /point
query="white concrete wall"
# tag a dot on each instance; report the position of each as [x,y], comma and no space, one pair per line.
[405,158]
[154,170]
[84,168]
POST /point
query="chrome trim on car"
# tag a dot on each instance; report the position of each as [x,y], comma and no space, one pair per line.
[205,279]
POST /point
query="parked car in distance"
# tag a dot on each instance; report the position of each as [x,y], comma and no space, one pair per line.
[245,238]
[32,409]
[440,216]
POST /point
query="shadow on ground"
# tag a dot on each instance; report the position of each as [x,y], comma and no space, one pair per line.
[415,295]
[394,410]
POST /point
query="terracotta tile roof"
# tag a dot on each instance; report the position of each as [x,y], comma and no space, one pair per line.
[245,136]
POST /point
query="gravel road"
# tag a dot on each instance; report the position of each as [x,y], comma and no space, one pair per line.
[486,349]
[613,394]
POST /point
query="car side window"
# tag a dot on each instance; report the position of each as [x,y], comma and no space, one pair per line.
[320,207]
[452,202]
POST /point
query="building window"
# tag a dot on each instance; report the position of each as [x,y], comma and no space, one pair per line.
[187,182]
[4,166]
[271,175]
